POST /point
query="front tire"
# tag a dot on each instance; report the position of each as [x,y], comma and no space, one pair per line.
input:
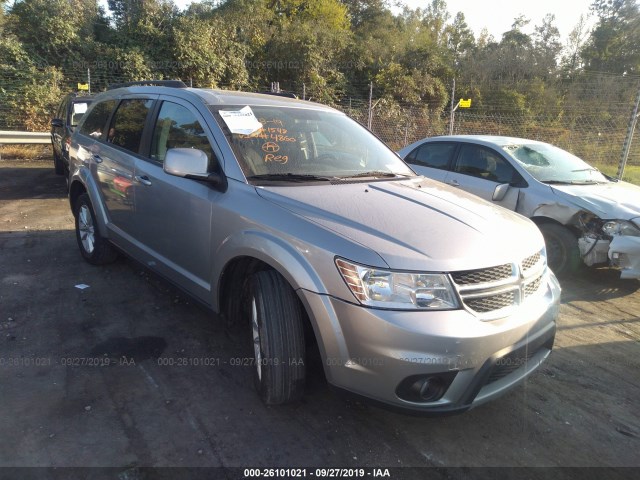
[277,336]
[94,248]
[563,254]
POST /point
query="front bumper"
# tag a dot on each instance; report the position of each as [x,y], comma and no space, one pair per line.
[624,253]
[370,352]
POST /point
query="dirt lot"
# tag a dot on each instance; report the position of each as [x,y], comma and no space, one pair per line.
[580,409]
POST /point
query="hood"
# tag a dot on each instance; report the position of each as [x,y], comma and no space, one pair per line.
[416,224]
[609,201]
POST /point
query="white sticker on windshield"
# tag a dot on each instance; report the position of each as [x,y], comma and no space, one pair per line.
[241,121]
[80,107]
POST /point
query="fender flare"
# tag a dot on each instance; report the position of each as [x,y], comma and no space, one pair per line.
[271,250]
[83,177]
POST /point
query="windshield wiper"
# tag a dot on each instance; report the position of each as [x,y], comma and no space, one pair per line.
[375,174]
[588,169]
[557,182]
[289,177]
[571,182]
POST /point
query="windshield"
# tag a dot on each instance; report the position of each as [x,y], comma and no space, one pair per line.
[298,144]
[549,164]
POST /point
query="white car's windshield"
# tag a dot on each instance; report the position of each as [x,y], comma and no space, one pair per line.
[297,144]
[550,164]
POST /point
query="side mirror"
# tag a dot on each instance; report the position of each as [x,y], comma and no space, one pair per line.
[57,122]
[192,163]
[500,192]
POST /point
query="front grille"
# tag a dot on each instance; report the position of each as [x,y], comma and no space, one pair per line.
[510,363]
[532,287]
[490,303]
[531,261]
[483,275]
[487,290]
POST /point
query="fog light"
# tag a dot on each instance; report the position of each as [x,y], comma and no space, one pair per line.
[425,388]
[429,389]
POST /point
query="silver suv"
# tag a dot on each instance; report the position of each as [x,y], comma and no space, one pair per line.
[294,221]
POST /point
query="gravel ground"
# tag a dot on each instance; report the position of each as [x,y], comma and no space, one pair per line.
[171,394]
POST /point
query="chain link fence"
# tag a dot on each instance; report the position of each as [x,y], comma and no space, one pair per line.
[592,124]
[597,140]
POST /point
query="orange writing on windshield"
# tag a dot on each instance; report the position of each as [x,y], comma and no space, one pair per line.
[270,147]
[270,157]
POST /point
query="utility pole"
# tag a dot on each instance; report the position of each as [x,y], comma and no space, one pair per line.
[453,109]
[89,79]
[629,138]
[370,121]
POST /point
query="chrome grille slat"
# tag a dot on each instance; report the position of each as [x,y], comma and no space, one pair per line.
[490,303]
[483,275]
[532,287]
[530,262]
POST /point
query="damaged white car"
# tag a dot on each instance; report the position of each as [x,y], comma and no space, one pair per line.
[585,216]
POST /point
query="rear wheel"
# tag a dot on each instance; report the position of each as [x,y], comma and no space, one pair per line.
[563,254]
[94,248]
[277,336]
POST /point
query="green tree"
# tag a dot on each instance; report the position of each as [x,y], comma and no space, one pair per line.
[547,46]
[206,53]
[406,86]
[427,49]
[460,39]
[145,25]
[306,44]
[571,59]
[53,31]
[28,93]
[379,39]
[614,45]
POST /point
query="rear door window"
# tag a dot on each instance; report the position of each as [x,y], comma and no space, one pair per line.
[433,155]
[96,120]
[128,123]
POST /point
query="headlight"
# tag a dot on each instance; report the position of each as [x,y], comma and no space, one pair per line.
[375,287]
[621,228]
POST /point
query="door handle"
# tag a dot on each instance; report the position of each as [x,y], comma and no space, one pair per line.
[454,183]
[97,158]
[143,179]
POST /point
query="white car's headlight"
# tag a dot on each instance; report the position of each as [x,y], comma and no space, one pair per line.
[621,228]
[380,288]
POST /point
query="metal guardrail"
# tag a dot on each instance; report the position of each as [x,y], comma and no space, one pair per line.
[8,137]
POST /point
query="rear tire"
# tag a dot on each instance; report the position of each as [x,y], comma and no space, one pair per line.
[277,335]
[563,254]
[94,248]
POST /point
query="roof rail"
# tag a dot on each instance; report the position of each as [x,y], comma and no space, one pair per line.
[281,93]
[150,83]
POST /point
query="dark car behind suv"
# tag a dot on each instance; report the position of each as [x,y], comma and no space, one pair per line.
[69,113]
